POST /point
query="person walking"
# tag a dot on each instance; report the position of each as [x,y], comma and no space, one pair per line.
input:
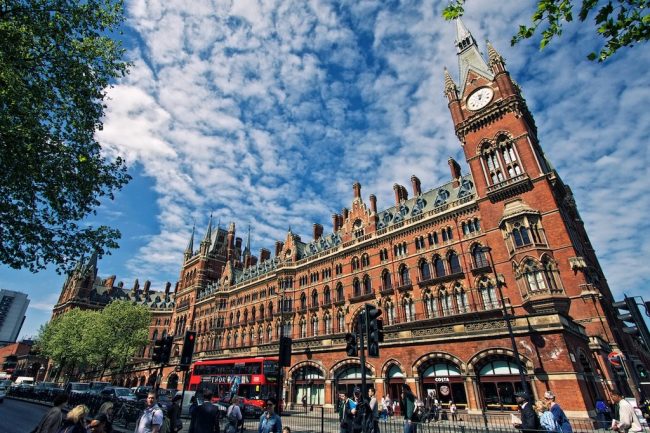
[560,418]
[343,421]
[354,412]
[174,413]
[373,412]
[270,422]
[233,415]
[75,420]
[51,421]
[454,411]
[100,424]
[627,421]
[152,417]
[528,422]
[304,402]
[603,414]
[546,419]
[205,418]
[407,406]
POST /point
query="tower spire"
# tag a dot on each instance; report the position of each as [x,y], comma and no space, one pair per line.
[208,232]
[469,56]
[190,246]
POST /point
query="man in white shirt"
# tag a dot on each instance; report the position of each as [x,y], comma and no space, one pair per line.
[627,421]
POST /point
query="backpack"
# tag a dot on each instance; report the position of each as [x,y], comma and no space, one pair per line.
[166,425]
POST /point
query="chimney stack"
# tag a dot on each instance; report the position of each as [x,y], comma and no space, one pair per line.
[147,285]
[373,203]
[455,171]
[356,188]
[278,248]
[415,183]
[167,287]
[335,222]
[405,193]
[345,213]
[398,194]
[264,255]
[318,231]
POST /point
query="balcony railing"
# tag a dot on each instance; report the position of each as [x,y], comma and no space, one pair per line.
[363,296]
[432,280]
[385,291]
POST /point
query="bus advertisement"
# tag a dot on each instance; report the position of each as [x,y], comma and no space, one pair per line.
[253,379]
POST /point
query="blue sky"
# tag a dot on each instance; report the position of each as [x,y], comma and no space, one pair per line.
[266,112]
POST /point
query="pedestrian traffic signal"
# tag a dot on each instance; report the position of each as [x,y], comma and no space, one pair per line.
[632,315]
[156,353]
[642,371]
[166,351]
[285,352]
[373,329]
[351,345]
[188,350]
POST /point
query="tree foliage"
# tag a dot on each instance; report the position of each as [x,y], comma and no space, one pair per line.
[57,60]
[621,23]
[82,339]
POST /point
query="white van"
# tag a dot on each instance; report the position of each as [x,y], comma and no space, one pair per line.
[24,380]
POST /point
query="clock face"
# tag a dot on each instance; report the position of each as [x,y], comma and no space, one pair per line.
[480,98]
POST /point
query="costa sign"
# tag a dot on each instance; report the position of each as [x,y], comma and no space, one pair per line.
[614,358]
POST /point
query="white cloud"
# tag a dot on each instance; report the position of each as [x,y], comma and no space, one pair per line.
[266,113]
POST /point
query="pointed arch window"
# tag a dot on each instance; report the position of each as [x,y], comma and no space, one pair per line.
[488,293]
[431,305]
[341,321]
[314,298]
[520,235]
[461,300]
[479,257]
[425,270]
[303,301]
[534,276]
[551,273]
[454,263]
[445,303]
[365,260]
[367,285]
[404,276]
[339,292]
[390,312]
[262,311]
[356,287]
[409,309]
[303,329]
[328,324]
[386,281]
[269,334]
[314,326]
[327,296]
[439,267]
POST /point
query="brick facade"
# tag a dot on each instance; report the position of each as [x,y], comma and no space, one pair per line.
[423,262]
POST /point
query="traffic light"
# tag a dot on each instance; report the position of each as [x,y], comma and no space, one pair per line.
[166,349]
[351,345]
[632,314]
[373,330]
[188,350]
[642,372]
[285,351]
[156,354]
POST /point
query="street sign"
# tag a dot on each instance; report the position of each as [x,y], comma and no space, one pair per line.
[614,358]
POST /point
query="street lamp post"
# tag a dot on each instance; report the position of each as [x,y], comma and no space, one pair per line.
[506,317]
[279,379]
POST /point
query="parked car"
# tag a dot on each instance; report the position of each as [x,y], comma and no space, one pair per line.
[3,392]
[46,390]
[77,388]
[115,393]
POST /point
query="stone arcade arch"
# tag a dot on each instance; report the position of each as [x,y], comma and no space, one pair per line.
[497,378]
[442,376]
[346,375]
[307,378]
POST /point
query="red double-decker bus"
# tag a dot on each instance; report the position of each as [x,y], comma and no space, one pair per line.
[254,379]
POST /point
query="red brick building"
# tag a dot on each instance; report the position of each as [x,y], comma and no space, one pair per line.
[424,262]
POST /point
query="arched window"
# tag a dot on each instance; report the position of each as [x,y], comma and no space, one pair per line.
[303,328]
[445,303]
[314,326]
[262,311]
[409,309]
[253,314]
[425,271]
[439,267]
[479,257]
[386,281]
[389,310]
[355,263]
[341,321]
[534,276]
[356,287]
[454,263]
[270,309]
[520,235]
[327,296]
[269,334]
[488,293]
[328,324]
[367,285]
[314,298]
[339,292]
[461,299]
[365,260]
[550,271]
[404,276]
[431,305]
